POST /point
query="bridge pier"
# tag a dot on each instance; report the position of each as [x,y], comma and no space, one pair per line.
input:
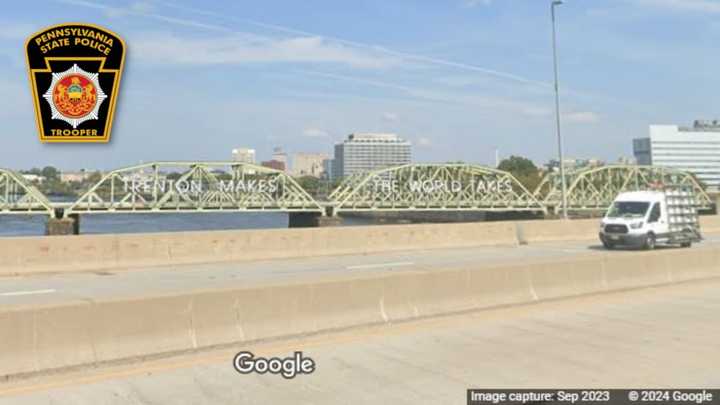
[312,220]
[63,226]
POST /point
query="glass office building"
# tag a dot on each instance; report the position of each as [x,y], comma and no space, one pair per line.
[694,149]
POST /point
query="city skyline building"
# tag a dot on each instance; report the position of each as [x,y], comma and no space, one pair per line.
[694,149]
[76,176]
[308,164]
[244,155]
[274,164]
[328,168]
[362,152]
[574,163]
[279,155]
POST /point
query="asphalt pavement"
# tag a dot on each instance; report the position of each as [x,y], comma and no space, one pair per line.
[149,281]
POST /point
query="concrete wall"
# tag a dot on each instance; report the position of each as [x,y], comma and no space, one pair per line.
[93,252]
[37,339]
[26,255]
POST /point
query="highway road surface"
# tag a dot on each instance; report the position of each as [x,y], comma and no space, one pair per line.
[654,337]
[143,282]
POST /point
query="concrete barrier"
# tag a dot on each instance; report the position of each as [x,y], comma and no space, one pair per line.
[36,339]
[28,255]
[710,223]
[558,230]
[25,255]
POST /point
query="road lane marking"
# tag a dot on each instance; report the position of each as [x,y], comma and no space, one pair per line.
[379,265]
[20,293]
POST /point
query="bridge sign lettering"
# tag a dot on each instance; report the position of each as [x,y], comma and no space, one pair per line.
[441,186]
[147,185]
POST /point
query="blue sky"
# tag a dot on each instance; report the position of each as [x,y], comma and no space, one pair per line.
[459,78]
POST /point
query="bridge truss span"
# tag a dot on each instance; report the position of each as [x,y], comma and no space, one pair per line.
[195,186]
[19,196]
[430,187]
[594,189]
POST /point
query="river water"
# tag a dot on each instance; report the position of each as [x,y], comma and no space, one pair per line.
[25,225]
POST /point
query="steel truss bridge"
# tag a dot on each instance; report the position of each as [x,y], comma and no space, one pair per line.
[433,187]
[19,196]
[175,187]
[594,189]
[197,186]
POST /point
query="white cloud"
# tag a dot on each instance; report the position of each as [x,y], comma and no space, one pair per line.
[139,7]
[243,48]
[424,141]
[581,117]
[315,133]
[486,103]
[474,3]
[390,117]
[371,49]
[703,6]
[236,47]
[573,117]
[535,111]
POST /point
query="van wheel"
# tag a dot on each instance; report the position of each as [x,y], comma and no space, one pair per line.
[650,241]
[608,245]
[686,244]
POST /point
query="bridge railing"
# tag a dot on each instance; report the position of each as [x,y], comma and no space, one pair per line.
[19,196]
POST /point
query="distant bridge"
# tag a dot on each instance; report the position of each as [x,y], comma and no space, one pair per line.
[432,187]
[177,187]
[19,196]
[594,189]
[192,187]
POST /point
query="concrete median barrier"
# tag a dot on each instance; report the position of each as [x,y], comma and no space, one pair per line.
[558,230]
[37,339]
[32,255]
[27,255]
[710,223]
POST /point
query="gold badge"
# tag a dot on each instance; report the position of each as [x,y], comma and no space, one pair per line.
[75,72]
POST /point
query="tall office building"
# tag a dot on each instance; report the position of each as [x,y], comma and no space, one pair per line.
[367,151]
[280,156]
[328,170]
[308,164]
[243,155]
[695,149]
[274,164]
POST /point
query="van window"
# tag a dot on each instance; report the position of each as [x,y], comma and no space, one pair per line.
[628,209]
[655,213]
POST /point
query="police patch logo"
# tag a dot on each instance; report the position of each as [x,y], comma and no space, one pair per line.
[75,72]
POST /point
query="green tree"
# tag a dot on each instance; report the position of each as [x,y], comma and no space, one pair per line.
[523,169]
[173,176]
[50,173]
[311,184]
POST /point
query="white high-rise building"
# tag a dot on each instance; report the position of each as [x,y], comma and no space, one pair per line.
[695,149]
[243,155]
[362,152]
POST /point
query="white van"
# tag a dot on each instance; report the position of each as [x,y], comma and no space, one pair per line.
[644,218]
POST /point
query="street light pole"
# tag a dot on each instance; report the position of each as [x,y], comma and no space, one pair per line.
[557,110]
